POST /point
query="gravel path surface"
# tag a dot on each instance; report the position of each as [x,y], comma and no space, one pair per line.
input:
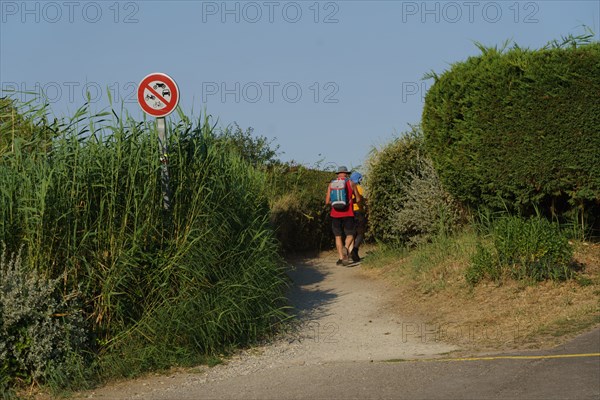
[344,317]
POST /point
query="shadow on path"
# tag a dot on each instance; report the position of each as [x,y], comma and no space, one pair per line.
[308,299]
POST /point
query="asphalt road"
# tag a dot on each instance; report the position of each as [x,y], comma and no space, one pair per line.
[571,371]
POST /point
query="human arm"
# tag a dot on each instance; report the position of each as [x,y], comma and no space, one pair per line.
[356,192]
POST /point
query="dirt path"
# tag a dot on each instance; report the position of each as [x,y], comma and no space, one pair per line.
[344,317]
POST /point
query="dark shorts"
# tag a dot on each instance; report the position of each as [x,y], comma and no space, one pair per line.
[343,225]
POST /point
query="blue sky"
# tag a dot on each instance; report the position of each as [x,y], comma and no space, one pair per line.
[329,80]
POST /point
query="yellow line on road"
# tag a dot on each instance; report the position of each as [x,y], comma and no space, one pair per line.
[522,357]
[539,357]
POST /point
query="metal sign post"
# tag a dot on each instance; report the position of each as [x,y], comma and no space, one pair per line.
[158,95]
[164,161]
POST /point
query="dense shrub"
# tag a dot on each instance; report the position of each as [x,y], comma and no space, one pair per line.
[388,177]
[257,150]
[298,210]
[407,203]
[39,326]
[531,249]
[427,208]
[520,129]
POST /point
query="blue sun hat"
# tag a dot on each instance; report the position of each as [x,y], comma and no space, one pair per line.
[356,177]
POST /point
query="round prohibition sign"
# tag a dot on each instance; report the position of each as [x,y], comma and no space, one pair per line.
[158,94]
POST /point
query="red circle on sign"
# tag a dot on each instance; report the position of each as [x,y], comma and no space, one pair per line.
[158,94]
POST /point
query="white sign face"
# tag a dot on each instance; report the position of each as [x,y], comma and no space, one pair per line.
[158,94]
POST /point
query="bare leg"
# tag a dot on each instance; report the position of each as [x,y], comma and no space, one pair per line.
[349,242]
[339,245]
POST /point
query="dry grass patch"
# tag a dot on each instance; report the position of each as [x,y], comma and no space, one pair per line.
[490,316]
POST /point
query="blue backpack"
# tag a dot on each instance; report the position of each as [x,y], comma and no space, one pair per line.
[338,194]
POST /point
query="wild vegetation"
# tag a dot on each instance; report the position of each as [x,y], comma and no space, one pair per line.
[520,146]
[298,210]
[296,193]
[491,202]
[97,274]
[522,249]
[407,202]
[99,280]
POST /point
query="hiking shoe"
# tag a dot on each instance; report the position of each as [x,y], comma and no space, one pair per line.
[346,261]
[354,255]
[339,262]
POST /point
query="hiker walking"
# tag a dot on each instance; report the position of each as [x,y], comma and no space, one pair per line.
[360,215]
[340,195]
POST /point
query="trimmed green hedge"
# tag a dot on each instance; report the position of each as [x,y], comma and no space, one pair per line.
[519,129]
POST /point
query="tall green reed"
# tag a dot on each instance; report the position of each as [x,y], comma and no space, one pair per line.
[158,288]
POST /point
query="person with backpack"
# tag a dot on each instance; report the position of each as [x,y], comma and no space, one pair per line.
[341,193]
[360,216]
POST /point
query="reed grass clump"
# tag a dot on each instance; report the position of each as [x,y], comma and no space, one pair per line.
[83,199]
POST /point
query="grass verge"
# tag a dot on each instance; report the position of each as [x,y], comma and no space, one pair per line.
[491,316]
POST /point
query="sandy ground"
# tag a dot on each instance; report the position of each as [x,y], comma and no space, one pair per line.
[343,317]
